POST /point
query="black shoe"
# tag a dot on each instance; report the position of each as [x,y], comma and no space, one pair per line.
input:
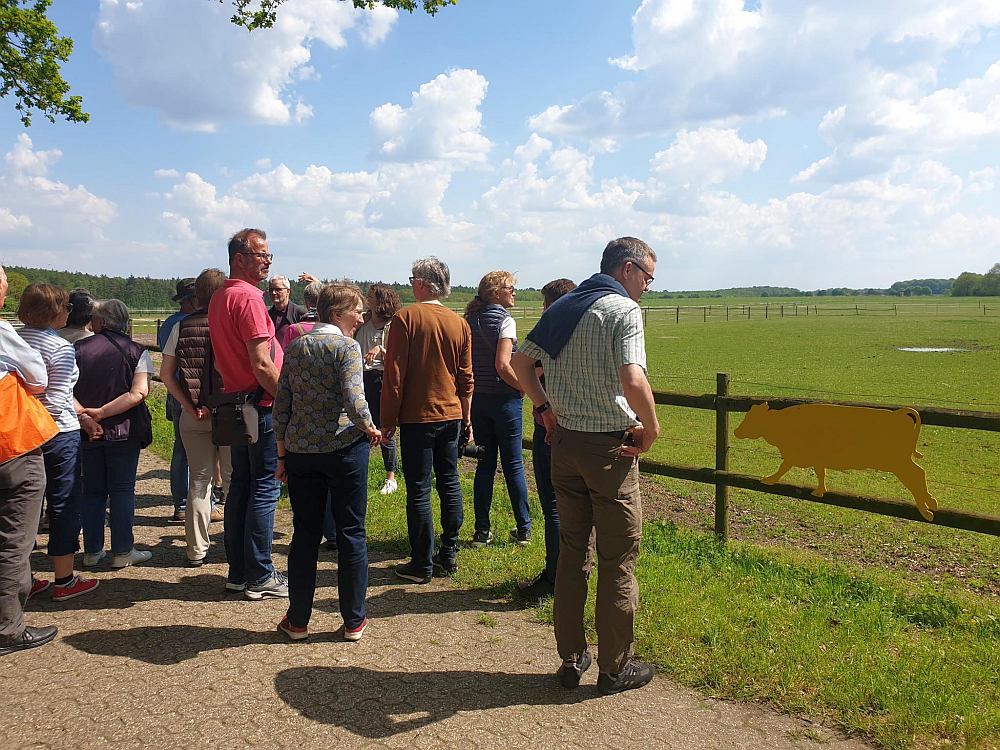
[482,538]
[219,493]
[444,568]
[408,572]
[537,589]
[30,638]
[522,538]
[196,563]
[635,674]
[572,670]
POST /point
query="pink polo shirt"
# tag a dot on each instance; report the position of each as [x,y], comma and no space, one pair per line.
[237,315]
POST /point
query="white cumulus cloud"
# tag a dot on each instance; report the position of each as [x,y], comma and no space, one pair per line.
[184,58]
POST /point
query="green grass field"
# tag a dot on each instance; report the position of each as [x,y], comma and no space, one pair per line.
[886,627]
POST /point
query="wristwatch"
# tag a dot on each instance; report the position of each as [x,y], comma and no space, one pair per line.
[543,407]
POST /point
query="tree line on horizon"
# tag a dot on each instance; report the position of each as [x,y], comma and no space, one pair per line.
[146,293]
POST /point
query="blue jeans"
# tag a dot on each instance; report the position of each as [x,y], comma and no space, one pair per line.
[373,395]
[249,514]
[541,460]
[496,426]
[424,447]
[312,478]
[109,480]
[178,459]
[62,492]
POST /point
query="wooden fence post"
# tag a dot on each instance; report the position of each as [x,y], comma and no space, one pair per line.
[704,315]
[677,316]
[727,312]
[721,456]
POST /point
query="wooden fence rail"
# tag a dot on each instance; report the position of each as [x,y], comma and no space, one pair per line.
[722,404]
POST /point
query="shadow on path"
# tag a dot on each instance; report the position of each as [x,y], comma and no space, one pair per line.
[381,704]
[173,644]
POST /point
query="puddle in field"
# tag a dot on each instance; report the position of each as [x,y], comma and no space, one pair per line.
[929,349]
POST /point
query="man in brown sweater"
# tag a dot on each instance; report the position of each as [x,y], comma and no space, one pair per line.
[427,393]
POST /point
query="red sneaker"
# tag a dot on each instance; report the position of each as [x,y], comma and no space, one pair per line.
[356,633]
[38,585]
[294,633]
[76,587]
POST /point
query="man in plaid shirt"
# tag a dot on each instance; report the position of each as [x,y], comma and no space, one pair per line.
[598,408]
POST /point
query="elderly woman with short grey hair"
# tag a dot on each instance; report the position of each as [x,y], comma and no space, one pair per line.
[113,385]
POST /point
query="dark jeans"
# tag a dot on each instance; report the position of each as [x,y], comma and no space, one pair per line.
[178,459]
[541,459]
[22,486]
[63,484]
[312,478]
[249,514]
[109,480]
[373,395]
[496,425]
[424,447]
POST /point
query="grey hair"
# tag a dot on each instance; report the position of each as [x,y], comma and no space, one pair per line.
[113,312]
[435,274]
[625,249]
[311,293]
[288,284]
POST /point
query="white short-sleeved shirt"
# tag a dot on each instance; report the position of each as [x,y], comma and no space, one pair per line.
[170,345]
[508,328]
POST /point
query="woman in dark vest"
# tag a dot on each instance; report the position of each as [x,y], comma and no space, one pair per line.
[497,412]
[113,385]
[185,372]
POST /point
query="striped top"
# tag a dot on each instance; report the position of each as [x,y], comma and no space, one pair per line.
[583,382]
[60,363]
[320,404]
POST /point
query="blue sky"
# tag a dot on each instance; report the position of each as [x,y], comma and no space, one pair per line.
[789,142]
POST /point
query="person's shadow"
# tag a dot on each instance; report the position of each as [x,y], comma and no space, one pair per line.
[173,644]
[381,704]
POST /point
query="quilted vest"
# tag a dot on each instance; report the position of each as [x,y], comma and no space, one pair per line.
[193,344]
[485,334]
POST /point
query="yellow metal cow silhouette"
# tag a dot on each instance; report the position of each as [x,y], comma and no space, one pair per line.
[829,436]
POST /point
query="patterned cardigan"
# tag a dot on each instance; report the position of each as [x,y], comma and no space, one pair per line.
[320,405]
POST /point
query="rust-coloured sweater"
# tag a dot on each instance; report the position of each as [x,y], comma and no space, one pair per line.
[428,366]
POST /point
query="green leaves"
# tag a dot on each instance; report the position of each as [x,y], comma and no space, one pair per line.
[31,52]
[261,14]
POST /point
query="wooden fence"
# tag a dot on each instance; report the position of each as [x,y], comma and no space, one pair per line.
[723,404]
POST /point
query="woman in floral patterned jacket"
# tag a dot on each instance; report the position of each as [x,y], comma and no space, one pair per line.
[324,429]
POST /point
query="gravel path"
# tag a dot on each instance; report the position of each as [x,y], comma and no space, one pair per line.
[159,657]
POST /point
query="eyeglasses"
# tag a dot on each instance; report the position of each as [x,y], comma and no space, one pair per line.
[414,278]
[507,288]
[276,289]
[647,274]
[68,306]
[267,256]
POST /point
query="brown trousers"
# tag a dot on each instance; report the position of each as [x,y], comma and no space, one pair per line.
[22,486]
[596,490]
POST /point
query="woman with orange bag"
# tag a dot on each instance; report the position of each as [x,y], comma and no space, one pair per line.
[25,426]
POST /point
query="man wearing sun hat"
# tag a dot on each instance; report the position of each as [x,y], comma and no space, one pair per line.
[178,459]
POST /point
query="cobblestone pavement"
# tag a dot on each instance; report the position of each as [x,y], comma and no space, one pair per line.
[159,657]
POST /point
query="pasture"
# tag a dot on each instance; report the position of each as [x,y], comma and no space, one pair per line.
[887,627]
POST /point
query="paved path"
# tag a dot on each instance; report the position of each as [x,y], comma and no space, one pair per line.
[160,657]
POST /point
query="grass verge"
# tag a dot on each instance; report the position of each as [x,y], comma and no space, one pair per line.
[896,660]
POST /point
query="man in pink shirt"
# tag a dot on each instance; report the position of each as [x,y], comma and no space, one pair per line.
[249,360]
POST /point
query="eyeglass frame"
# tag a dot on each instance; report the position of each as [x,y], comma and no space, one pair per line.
[269,256]
[646,274]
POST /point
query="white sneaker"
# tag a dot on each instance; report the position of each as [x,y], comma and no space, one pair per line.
[90,559]
[389,487]
[131,558]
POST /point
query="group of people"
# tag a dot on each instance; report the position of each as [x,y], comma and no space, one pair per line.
[323,384]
